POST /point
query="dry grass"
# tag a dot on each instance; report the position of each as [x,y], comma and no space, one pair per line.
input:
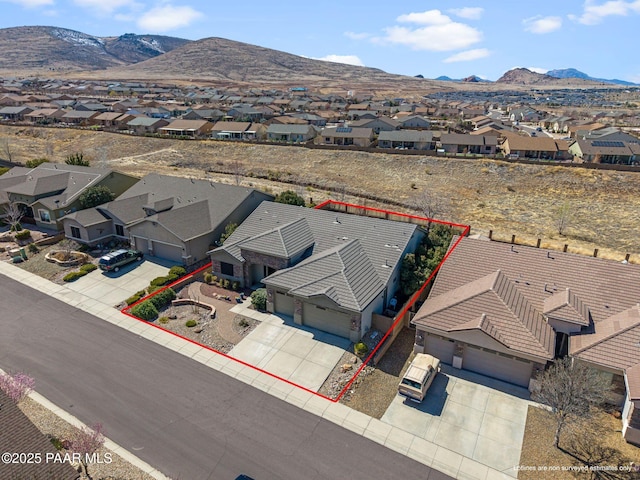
[489,195]
[538,452]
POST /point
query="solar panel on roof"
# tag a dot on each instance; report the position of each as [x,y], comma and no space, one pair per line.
[343,130]
[604,143]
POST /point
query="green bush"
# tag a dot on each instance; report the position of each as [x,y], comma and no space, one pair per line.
[208,277]
[360,348]
[163,320]
[73,276]
[134,298]
[153,288]
[159,281]
[226,283]
[145,310]
[16,227]
[23,235]
[259,299]
[190,323]
[235,286]
[33,248]
[88,267]
[163,298]
[178,271]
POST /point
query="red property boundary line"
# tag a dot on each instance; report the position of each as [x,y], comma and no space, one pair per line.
[399,316]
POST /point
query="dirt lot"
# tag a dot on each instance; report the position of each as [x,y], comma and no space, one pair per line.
[507,198]
[595,444]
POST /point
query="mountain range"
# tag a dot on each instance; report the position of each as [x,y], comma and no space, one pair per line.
[524,76]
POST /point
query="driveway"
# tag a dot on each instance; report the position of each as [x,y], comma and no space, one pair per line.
[471,415]
[113,288]
[302,355]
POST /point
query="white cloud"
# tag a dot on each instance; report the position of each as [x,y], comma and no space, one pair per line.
[31,3]
[348,59]
[167,17]
[102,7]
[357,36]
[593,13]
[543,71]
[439,33]
[542,25]
[468,55]
[470,13]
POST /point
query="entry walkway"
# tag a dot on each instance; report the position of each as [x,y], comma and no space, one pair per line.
[396,438]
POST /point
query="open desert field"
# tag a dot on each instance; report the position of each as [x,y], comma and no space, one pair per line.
[602,208]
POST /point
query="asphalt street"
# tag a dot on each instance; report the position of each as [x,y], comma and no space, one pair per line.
[188,420]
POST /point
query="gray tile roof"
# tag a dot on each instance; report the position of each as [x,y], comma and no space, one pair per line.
[19,435]
[284,129]
[277,228]
[406,136]
[88,217]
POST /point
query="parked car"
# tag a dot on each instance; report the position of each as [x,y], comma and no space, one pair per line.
[419,377]
[111,262]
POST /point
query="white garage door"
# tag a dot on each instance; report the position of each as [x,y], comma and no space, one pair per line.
[326,320]
[284,304]
[440,348]
[167,252]
[508,369]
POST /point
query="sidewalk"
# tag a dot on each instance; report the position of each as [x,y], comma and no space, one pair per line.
[405,443]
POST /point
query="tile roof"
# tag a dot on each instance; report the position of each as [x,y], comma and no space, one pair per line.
[496,306]
[284,229]
[604,287]
[406,136]
[567,306]
[633,380]
[222,126]
[535,144]
[19,435]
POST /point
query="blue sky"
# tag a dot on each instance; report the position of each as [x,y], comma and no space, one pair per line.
[454,38]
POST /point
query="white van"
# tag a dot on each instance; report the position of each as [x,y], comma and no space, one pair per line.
[419,376]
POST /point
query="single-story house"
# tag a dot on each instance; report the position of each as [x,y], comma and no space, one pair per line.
[290,133]
[407,139]
[174,218]
[113,119]
[378,124]
[210,114]
[361,137]
[50,191]
[141,124]
[414,121]
[543,148]
[327,270]
[80,117]
[15,114]
[465,143]
[605,151]
[237,131]
[45,116]
[187,128]
[506,310]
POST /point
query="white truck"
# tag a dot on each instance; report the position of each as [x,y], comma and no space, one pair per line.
[419,376]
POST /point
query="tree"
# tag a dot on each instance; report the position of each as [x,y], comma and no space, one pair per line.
[259,299]
[94,196]
[430,205]
[77,159]
[16,386]
[572,390]
[228,230]
[87,441]
[7,149]
[563,217]
[35,162]
[290,197]
[13,214]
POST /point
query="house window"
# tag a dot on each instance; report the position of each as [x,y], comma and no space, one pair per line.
[120,230]
[45,216]
[75,232]
[226,269]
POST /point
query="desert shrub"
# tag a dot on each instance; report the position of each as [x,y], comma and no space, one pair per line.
[163,320]
[235,286]
[190,323]
[35,162]
[178,271]
[243,323]
[16,227]
[226,283]
[33,248]
[56,442]
[360,348]
[163,298]
[23,235]
[88,267]
[208,277]
[259,299]
[73,276]
[145,310]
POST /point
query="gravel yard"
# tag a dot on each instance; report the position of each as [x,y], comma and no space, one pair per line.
[53,426]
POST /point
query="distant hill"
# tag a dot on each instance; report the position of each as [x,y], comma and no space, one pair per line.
[573,73]
[469,79]
[54,48]
[227,60]
[524,76]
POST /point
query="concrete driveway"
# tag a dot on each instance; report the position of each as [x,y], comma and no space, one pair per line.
[471,415]
[302,355]
[113,288]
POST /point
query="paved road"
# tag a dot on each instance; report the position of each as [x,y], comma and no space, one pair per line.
[189,421]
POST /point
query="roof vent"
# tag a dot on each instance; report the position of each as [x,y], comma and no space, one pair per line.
[549,255]
[337,221]
[386,264]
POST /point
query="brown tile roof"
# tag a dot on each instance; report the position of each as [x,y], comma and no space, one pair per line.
[605,287]
[19,435]
[566,306]
[615,343]
[633,380]
[495,306]
[535,144]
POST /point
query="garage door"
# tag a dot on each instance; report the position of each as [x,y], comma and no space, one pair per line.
[326,320]
[440,348]
[141,244]
[284,304]
[167,252]
[508,369]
